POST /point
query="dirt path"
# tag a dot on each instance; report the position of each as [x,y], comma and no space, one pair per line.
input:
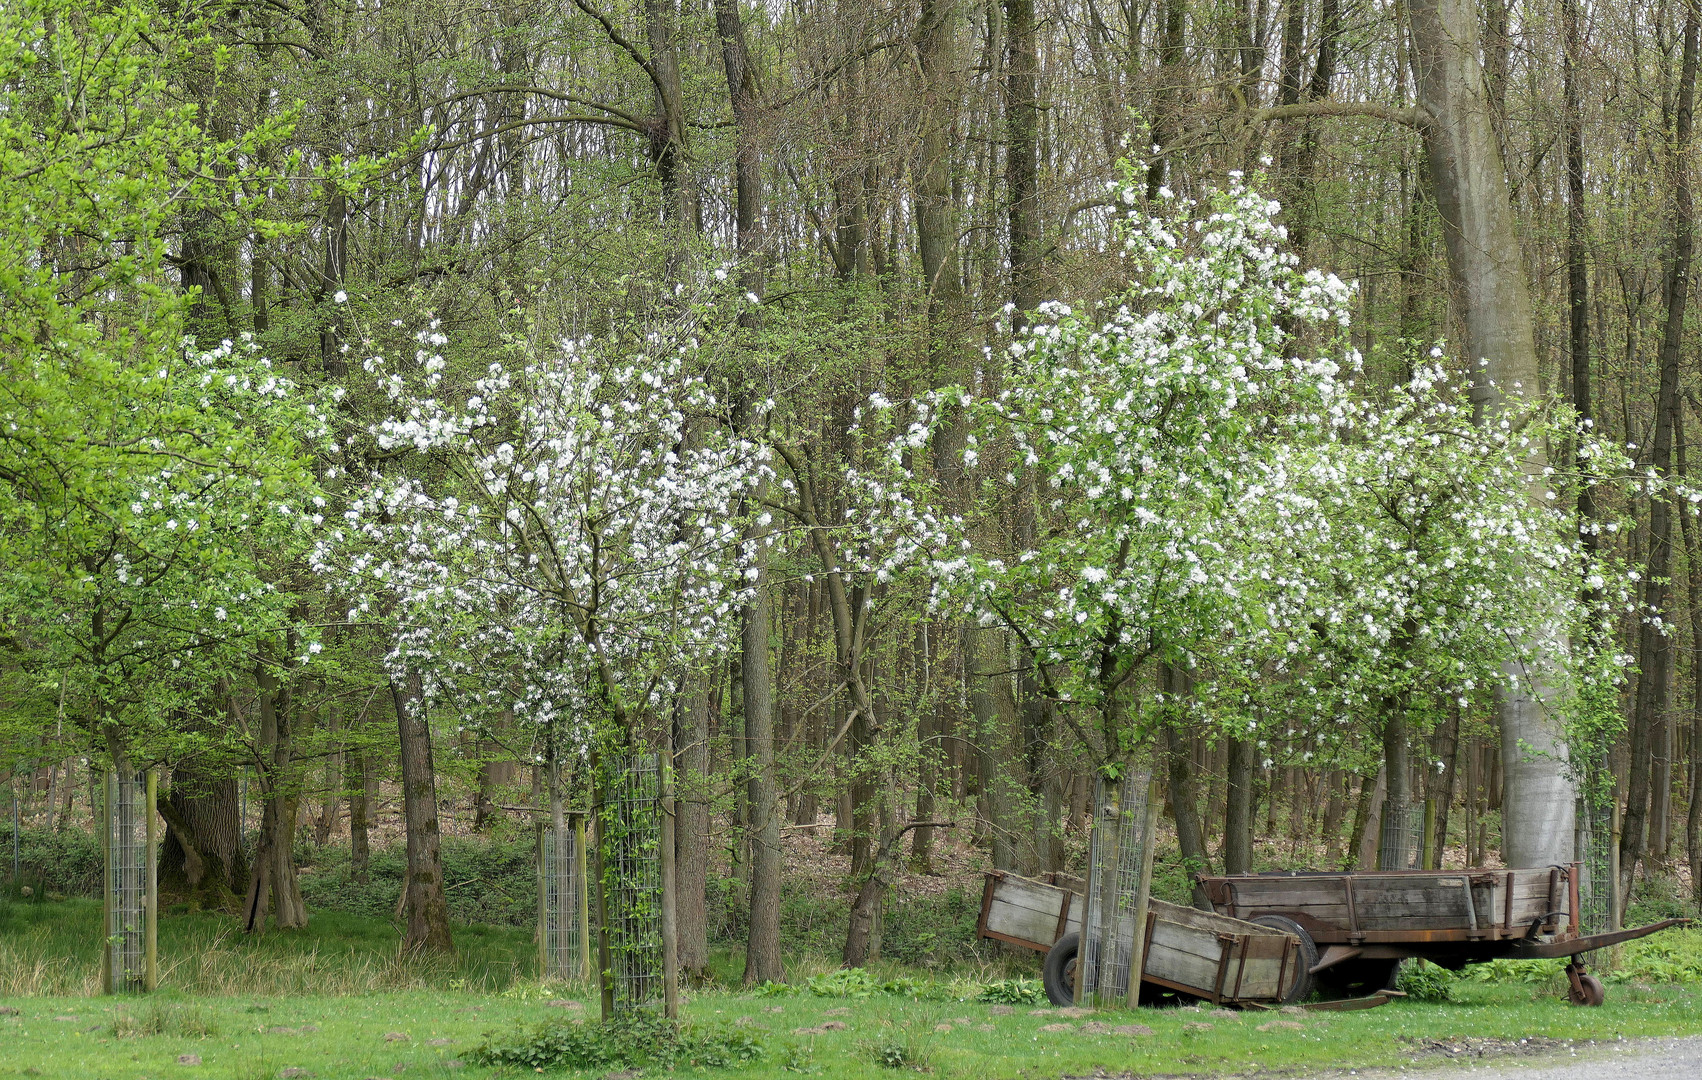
[1630,1059]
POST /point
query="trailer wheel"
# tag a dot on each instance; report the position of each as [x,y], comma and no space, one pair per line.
[1590,991]
[1301,988]
[1058,971]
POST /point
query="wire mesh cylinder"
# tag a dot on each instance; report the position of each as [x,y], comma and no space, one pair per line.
[1115,850]
[560,928]
[1595,858]
[631,845]
[1401,840]
[129,874]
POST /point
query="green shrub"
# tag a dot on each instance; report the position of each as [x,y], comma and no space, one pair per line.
[1420,980]
[65,861]
[491,881]
[1673,956]
[1017,991]
[630,1040]
[843,983]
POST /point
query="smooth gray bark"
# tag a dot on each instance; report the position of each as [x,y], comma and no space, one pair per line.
[1469,179]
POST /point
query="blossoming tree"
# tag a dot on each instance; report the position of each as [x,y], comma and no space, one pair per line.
[1138,426]
[566,542]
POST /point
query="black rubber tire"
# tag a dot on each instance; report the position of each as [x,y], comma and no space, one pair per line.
[1302,987]
[1359,978]
[1059,970]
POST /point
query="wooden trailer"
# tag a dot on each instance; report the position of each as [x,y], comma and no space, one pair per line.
[1355,928]
[1200,954]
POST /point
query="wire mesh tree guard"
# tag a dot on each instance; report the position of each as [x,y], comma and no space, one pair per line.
[564,941]
[1400,843]
[629,851]
[129,961]
[1119,878]
[1598,855]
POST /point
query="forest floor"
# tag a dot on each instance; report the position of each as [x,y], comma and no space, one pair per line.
[335,1002]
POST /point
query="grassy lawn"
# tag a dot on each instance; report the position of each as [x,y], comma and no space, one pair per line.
[335,1002]
[431,1033]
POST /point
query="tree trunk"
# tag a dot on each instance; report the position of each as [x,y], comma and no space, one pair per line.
[1654,645]
[202,857]
[362,799]
[691,837]
[1238,808]
[1184,796]
[762,948]
[331,810]
[1022,165]
[1397,793]
[273,887]
[1693,562]
[1486,268]
[427,907]
[668,124]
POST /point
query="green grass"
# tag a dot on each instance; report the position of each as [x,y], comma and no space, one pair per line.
[340,1037]
[325,999]
[53,948]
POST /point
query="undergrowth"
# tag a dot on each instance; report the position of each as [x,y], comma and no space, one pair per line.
[629,1040]
[53,948]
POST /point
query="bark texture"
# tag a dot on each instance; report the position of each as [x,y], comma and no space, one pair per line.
[427,908]
[1486,269]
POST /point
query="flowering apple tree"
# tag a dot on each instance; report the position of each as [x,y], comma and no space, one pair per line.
[1138,426]
[571,535]
[1413,559]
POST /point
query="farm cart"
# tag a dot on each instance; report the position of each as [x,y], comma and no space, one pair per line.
[1197,954]
[1356,928]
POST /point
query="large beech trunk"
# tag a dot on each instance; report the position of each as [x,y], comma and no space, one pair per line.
[427,907]
[1487,270]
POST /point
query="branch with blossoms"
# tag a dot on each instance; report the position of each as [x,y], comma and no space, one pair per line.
[588,493]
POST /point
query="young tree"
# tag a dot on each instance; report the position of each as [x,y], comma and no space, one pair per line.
[590,497]
[1139,425]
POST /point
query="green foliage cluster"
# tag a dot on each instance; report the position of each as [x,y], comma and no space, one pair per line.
[918,929]
[1423,981]
[634,1039]
[486,881]
[1671,956]
[67,861]
[1018,991]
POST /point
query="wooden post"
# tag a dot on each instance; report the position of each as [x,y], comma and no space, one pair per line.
[151,923]
[605,985]
[1615,901]
[1090,902]
[1431,859]
[540,831]
[103,820]
[1143,888]
[583,880]
[670,927]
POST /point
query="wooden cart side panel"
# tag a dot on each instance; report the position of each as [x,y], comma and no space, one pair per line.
[1212,955]
[1024,912]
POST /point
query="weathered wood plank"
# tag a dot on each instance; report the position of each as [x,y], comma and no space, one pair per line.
[1021,922]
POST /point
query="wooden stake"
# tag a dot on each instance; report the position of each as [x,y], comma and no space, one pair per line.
[104,818]
[670,927]
[151,911]
[584,882]
[541,831]
[1143,888]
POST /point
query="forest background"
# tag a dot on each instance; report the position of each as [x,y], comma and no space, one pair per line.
[812,208]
